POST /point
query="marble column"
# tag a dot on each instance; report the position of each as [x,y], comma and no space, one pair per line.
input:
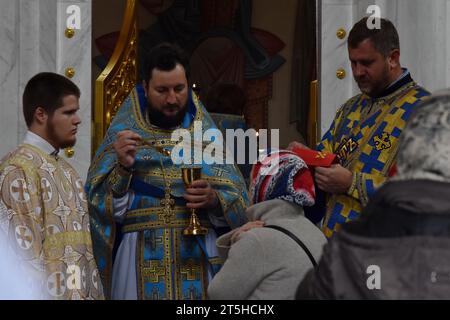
[9,75]
[336,14]
[76,53]
[32,37]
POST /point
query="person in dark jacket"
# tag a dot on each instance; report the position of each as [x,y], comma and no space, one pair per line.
[400,248]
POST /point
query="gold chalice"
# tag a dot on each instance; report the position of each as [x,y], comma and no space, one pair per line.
[189,175]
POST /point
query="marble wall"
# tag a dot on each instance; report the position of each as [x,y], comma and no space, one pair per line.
[423,27]
[335,14]
[9,75]
[32,40]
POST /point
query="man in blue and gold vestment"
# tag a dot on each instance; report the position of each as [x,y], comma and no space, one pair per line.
[366,130]
[138,202]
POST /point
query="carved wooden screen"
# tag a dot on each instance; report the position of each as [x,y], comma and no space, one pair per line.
[118,78]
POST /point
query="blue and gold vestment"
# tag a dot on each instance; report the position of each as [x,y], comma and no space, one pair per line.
[168,264]
[365,136]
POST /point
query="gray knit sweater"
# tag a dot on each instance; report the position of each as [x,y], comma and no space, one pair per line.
[266,264]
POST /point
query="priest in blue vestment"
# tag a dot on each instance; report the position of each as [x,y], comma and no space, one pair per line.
[139,205]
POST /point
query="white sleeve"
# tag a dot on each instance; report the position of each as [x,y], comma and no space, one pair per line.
[217,218]
[217,221]
[121,206]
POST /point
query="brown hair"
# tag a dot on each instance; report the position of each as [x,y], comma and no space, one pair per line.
[165,57]
[46,90]
[385,39]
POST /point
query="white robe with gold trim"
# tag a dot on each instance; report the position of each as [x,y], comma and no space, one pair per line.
[43,212]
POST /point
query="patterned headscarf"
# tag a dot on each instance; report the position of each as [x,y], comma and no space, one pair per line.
[282,175]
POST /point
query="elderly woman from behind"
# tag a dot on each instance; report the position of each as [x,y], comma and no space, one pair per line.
[267,258]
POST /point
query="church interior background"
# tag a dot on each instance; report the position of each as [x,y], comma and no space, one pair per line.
[273,50]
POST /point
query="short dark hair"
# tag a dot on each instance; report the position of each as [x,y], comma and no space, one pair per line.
[46,90]
[165,57]
[384,39]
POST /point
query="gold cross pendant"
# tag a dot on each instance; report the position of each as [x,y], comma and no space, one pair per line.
[168,203]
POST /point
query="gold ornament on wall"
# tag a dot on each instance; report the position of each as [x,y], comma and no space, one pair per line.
[341,33]
[69,33]
[70,72]
[70,152]
[341,74]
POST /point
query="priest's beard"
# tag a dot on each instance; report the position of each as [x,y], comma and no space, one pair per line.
[375,86]
[159,119]
[57,140]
